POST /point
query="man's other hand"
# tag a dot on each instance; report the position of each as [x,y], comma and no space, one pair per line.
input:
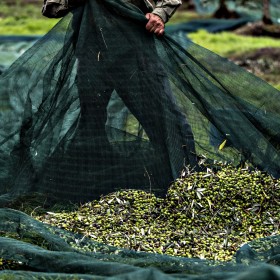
[155,24]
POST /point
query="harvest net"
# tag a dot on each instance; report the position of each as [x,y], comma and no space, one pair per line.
[98,105]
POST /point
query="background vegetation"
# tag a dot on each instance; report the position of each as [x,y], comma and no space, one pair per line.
[22,17]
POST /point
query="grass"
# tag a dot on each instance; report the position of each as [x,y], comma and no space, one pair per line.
[24,26]
[229,44]
[21,10]
[22,19]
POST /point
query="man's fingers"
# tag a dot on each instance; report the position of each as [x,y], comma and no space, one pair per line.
[151,23]
[155,24]
[155,27]
[159,31]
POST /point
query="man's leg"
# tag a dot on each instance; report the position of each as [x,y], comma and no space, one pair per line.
[149,98]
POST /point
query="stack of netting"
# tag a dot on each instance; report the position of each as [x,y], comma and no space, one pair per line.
[98,105]
[247,8]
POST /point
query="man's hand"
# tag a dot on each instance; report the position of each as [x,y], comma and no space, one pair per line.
[155,24]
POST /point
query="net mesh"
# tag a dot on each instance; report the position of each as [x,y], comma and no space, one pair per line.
[97,105]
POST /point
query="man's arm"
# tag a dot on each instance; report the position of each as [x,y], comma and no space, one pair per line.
[166,8]
[162,12]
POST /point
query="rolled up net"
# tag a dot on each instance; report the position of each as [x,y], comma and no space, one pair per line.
[247,8]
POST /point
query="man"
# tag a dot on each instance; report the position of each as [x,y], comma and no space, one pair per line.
[120,70]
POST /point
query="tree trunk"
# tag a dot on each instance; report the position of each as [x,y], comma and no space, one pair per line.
[266,13]
[224,12]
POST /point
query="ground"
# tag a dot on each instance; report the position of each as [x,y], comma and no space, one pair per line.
[264,62]
[259,29]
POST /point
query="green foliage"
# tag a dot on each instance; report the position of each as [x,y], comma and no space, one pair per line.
[229,44]
[23,19]
[25,26]
[21,10]
[206,215]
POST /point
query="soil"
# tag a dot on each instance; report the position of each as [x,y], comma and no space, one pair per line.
[259,29]
[264,63]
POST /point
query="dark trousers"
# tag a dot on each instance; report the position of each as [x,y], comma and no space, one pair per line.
[145,90]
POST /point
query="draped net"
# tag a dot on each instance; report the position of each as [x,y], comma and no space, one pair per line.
[98,105]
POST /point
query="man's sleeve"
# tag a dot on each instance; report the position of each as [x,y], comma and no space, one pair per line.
[166,8]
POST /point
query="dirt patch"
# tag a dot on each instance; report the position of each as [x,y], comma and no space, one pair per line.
[264,63]
[259,29]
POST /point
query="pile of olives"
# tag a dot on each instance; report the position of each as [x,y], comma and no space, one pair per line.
[204,214]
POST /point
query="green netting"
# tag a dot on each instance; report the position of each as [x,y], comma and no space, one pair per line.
[98,105]
[40,251]
[11,47]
